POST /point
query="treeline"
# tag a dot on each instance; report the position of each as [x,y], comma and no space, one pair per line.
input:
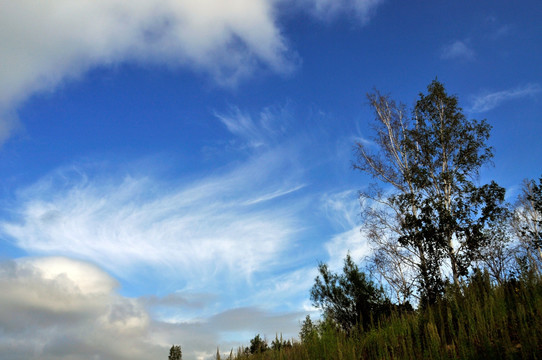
[455,271]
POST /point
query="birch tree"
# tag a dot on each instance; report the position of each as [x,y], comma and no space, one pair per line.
[427,203]
[527,222]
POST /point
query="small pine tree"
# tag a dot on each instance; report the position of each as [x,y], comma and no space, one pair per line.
[175,353]
[308,329]
[258,345]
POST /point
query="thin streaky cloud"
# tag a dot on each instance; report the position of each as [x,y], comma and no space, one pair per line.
[218,225]
[274,195]
[328,10]
[262,130]
[489,101]
[342,209]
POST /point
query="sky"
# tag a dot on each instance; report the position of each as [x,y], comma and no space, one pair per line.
[173,171]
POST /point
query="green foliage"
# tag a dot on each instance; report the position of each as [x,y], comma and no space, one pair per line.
[431,160]
[258,345]
[535,197]
[175,353]
[308,330]
[279,343]
[348,299]
[438,217]
[447,151]
[477,320]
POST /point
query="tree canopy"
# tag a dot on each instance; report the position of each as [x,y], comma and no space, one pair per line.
[435,213]
[175,353]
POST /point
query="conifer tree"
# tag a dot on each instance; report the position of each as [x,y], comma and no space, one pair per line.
[175,353]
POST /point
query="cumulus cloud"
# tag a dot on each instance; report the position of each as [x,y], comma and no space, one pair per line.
[458,50]
[60,308]
[489,101]
[54,308]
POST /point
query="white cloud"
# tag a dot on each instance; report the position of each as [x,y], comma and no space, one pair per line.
[350,241]
[223,227]
[489,101]
[48,42]
[343,209]
[269,127]
[59,308]
[458,50]
[68,309]
[328,9]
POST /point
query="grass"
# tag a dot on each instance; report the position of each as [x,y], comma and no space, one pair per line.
[478,320]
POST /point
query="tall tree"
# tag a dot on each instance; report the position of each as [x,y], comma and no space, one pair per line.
[527,222]
[435,212]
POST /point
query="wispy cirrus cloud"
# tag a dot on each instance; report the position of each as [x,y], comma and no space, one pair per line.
[490,100]
[268,128]
[223,227]
[459,50]
[343,210]
[330,9]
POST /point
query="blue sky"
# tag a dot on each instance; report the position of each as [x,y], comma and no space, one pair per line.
[173,171]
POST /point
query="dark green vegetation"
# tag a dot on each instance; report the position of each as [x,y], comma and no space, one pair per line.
[175,353]
[475,321]
[455,271]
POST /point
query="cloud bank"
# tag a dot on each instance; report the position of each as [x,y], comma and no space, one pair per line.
[47,42]
[58,308]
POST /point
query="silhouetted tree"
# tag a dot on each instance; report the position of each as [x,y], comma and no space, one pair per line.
[175,353]
[498,256]
[258,345]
